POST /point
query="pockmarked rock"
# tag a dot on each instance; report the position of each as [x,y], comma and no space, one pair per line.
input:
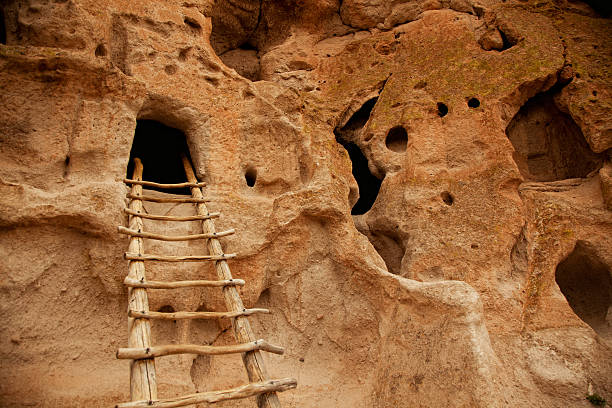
[421,193]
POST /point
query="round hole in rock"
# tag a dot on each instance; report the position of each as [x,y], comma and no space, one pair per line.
[100,51]
[586,283]
[473,103]
[170,69]
[397,139]
[447,198]
[250,176]
[442,109]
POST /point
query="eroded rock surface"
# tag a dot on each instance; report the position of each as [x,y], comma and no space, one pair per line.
[462,259]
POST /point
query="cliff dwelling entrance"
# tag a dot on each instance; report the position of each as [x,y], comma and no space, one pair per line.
[548,144]
[160,148]
[585,282]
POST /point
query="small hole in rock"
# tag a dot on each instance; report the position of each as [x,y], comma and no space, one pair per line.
[473,103]
[250,176]
[67,161]
[170,69]
[594,93]
[447,198]
[474,246]
[184,53]
[192,23]
[166,309]
[442,109]
[100,51]
[397,139]
[508,40]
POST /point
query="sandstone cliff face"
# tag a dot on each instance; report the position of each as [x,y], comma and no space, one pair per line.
[470,140]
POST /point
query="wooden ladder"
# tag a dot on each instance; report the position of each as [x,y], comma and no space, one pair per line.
[143,384]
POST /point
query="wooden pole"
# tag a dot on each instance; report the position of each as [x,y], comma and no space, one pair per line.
[168,200]
[171,217]
[161,237]
[171,258]
[143,384]
[181,284]
[210,397]
[170,349]
[194,315]
[159,185]
[253,360]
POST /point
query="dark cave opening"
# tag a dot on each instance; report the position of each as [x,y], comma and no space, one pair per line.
[160,148]
[548,144]
[586,283]
[193,24]
[603,7]
[473,103]
[2,27]
[360,117]
[369,185]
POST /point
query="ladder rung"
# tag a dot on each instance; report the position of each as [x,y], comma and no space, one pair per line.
[167,200]
[169,258]
[160,185]
[181,284]
[160,237]
[172,217]
[193,315]
[244,391]
[160,351]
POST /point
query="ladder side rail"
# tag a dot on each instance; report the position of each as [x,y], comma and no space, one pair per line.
[143,383]
[253,360]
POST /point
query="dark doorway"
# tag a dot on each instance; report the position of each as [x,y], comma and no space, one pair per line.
[585,282]
[347,135]
[160,148]
[369,185]
[2,27]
